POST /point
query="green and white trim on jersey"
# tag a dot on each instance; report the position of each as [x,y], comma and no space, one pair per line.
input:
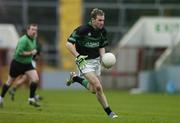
[88,40]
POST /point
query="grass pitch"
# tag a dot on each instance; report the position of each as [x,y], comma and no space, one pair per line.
[60,106]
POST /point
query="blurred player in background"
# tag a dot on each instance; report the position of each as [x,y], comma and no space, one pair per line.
[22,64]
[23,78]
[90,41]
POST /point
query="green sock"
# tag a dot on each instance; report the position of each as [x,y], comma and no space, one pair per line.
[85,83]
[80,80]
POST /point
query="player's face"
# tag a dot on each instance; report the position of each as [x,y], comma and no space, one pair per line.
[99,21]
[32,31]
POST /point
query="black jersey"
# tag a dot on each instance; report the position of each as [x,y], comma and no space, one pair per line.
[88,40]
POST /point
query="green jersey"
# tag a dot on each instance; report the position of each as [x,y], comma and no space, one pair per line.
[88,40]
[25,43]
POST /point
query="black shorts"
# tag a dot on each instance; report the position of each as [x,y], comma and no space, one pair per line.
[17,68]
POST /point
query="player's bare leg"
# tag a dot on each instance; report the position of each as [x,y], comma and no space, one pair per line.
[34,79]
[93,84]
[19,81]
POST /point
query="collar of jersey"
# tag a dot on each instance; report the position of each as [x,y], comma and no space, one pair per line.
[29,37]
[90,24]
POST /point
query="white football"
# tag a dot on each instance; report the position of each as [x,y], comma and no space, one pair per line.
[108,60]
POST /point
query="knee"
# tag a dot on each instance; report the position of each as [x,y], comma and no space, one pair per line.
[35,80]
[98,88]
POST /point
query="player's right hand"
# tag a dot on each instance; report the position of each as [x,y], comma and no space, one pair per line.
[80,61]
[34,52]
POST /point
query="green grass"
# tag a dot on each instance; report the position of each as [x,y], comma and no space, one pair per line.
[61,106]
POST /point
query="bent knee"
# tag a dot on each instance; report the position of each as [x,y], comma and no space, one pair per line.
[98,88]
[36,80]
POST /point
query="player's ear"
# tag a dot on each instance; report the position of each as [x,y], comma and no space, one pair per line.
[93,19]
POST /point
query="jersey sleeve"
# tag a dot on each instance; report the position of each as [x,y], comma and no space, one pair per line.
[77,34]
[104,41]
[21,46]
[74,36]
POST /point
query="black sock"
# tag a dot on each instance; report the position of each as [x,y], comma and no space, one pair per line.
[33,87]
[4,90]
[78,79]
[108,110]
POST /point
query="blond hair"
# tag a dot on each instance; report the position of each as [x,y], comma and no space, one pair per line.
[96,12]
